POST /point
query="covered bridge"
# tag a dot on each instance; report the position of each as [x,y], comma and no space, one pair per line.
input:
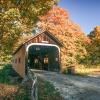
[41,52]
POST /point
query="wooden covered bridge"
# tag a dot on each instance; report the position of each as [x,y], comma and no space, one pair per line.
[41,52]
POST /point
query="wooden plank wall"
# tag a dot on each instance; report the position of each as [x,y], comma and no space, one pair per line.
[19,62]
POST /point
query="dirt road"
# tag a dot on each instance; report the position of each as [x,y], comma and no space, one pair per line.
[73,87]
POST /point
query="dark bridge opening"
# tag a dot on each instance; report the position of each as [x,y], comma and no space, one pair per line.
[43,57]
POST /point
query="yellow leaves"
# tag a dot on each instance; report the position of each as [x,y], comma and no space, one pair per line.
[17,17]
[11,14]
[21,40]
[97,32]
[97,29]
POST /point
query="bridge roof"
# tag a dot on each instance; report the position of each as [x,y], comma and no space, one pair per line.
[59,43]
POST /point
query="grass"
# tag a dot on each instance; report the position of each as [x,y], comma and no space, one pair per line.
[12,89]
[47,91]
[87,70]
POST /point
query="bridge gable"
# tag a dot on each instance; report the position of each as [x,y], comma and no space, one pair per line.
[44,37]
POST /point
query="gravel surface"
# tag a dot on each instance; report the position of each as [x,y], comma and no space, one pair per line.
[73,87]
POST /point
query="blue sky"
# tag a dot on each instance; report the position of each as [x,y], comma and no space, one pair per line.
[86,13]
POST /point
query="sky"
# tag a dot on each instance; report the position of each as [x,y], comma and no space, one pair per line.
[85,13]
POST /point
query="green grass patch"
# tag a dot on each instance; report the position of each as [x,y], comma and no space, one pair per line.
[4,74]
[46,91]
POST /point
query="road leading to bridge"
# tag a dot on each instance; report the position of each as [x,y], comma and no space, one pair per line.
[73,87]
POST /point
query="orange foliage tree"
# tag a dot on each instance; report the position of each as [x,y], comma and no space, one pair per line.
[58,22]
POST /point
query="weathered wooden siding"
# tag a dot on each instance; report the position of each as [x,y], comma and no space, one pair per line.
[19,62]
[40,38]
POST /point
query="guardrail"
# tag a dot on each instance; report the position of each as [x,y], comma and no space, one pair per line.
[34,87]
[34,91]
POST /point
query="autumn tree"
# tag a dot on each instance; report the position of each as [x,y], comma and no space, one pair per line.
[58,22]
[94,47]
[18,17]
